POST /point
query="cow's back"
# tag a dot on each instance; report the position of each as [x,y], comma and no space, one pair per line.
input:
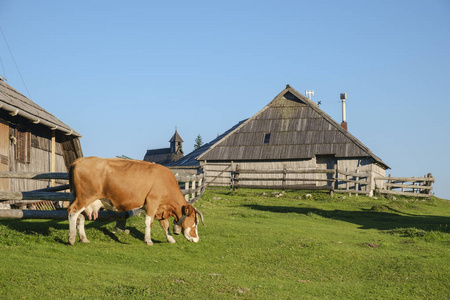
[125,183]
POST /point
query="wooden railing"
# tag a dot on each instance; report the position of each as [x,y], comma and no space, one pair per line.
[192,186]
[354,182]
[407,186]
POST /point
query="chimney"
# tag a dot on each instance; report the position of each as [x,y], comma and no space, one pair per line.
[344,119]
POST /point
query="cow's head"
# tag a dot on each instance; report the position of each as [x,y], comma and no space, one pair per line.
[187,224]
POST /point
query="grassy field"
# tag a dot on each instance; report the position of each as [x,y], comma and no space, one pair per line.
[255,246]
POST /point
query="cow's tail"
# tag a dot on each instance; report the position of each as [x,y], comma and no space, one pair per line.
[72,183]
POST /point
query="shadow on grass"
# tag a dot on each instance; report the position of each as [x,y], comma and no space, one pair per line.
[48,227]
[387,219]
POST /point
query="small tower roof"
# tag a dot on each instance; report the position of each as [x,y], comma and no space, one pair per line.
[176,137]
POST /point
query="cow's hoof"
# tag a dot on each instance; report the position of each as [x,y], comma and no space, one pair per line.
[171,240]
[86,241]
[149,243]
[71,241]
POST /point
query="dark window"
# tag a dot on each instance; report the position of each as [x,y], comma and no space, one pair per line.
[266,138]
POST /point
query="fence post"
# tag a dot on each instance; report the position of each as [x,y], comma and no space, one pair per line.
[347,184]
[357,183]
[193,188]
[370,185]
[236,178]
[429,183]
[186,187]
[283,183]
[389,187]
[200,181]
[333,182]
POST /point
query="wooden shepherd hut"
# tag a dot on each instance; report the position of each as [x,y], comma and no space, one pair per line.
[32,140]
[283,145]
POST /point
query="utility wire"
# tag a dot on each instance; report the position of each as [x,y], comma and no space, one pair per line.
[3,68]
[10,52]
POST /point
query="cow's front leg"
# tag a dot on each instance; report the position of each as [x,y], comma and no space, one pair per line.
[148,228]
[165,224]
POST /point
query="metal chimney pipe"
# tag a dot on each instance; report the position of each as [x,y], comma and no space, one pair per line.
[344,116]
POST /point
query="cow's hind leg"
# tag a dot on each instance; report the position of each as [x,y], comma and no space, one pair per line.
[148,229]
[151,206]
[165,224]
[73,216]
[81,231]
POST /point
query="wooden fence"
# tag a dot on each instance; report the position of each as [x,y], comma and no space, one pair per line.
[192,188]
[332,180]
[281,179]
[354,182]
[407,186]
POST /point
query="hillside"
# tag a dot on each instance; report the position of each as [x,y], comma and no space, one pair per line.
[257,245]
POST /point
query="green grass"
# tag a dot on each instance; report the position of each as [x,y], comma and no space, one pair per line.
[255,246]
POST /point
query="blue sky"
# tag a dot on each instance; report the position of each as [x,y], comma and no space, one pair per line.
[124,74]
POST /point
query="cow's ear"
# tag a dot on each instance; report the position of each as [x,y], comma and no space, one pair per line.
[185,210]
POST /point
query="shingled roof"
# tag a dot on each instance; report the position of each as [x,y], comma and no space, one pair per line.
[290,127]
[17,104]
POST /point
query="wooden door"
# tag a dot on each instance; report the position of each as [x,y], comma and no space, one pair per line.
[325,162]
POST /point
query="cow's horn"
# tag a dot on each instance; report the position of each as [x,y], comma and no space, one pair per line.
[201,216]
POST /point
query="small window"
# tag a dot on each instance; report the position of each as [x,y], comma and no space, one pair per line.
[267,138]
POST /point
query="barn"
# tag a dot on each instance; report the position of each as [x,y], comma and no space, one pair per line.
[32,140]
[288,143]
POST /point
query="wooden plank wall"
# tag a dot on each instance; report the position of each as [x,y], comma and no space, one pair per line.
[39,161]
[4,153]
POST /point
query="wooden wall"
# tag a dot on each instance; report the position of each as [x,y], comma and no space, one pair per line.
[361,165]
[4,153]
[26,147]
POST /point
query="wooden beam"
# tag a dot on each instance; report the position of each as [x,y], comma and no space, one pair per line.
[62,214]
[354,174]
[51,196]
[407,179]
[35,175]
[310,171]
[409,186]
[54,189]
[352,191]
[53,160]
[404,193]
[287,187]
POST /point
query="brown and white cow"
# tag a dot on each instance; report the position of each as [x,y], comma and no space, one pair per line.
[122,185]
